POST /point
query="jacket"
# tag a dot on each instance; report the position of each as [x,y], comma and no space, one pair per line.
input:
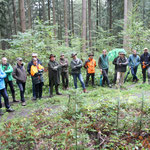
[54,69]
[64,64]
[122,64]
[20,74]
[115,63]
[2,81]
[103,62]
[76,66]
[37,74]
[90,65]
[31,63]
[145,58]
[8,70]
[134,61]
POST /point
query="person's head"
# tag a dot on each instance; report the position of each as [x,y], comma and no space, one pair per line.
[119,54]
[19,61]
[74,55]
[62,56]
[35,61]
[52,57]
[134,52]
[91,56]
[104,52]
[4,60]
[145,50]
[34,55]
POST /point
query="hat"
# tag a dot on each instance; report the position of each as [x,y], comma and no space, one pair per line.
[34,54]
[91,54]
[122,53]
[19,59]
[62,54]
[145,48]
[73,54]
[51,55]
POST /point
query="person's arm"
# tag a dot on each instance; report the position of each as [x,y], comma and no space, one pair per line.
[129,61]
[115,61]
[99,63]
[9,70]
[14,74]
[73,67]
[51,67]
[138,61]
[2,75]
[125,63]
[29,68]
[79,65]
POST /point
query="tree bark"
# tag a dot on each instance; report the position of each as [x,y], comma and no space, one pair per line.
[29,14]
[14,16]
[110,15]
[66,23]
[54,18]
[83,25]
[89,20]
[22,16]
[72,17]
[97,15]
[49,11]
[44,10]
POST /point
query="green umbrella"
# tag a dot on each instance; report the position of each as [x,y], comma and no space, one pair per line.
[114,53]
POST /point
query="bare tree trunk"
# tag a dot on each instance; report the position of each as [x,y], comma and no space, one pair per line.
[22,16]
[49,11]
[72,17]
[54,18]
[110,15]
[127,10]
[14,16]
[100,13]
[40,9]
[29,14]
[66,23]
[89,18]
[83,25]
[97,15]
[44,10]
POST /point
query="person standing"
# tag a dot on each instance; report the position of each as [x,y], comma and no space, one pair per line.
[20,74]
[76,65]
[103,64]
[37,78]
[34,55]
[54,74]
[7,68]
[134,61]
[90,65]
[3,93]
[115,63]
[64,71]
[145,64]
[122,63]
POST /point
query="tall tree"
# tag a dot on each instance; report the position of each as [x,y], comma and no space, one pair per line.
[29,14]
[83,25]
[97,15]
[14,16]
[72,17]
[54,18]
[44,10]
[66,22]
[22,16]
[89,21]
[49,11]
[110,14]
[128,4]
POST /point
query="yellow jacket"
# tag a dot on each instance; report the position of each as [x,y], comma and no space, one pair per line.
[35,69]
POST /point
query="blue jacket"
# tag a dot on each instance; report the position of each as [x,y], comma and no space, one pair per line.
[2,82]
[133,61]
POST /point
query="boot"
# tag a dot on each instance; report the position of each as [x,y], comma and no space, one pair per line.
[51,92]
[85,91]
[57,92]
[1,112]
[14,99]
[10,109]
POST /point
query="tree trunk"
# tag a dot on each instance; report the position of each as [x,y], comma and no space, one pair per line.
[83,25]
[40,9]
[97,15]
[110,15]
[54,18]
[22,16]
[14,16]
[127,10]
[44,10]
[100,13]
[49,11]
[29,14]
[89,20]
[66,23]
[72,17]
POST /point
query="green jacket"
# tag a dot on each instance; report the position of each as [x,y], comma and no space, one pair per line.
[8,71]
[103,62]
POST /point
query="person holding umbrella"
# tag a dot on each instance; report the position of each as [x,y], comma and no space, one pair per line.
[122,63]
[134,61]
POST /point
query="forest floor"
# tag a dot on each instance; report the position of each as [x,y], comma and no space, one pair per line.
[102,117]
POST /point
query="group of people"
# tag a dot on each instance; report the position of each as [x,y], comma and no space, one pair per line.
[61,68]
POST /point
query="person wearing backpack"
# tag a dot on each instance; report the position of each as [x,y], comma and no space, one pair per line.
[7,68]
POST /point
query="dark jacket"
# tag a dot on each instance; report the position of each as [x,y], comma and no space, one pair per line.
[145,58]
[20,74]
[122,64]
[76,66]
[31,63]
[115,63]
[64,64]
[54,69]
